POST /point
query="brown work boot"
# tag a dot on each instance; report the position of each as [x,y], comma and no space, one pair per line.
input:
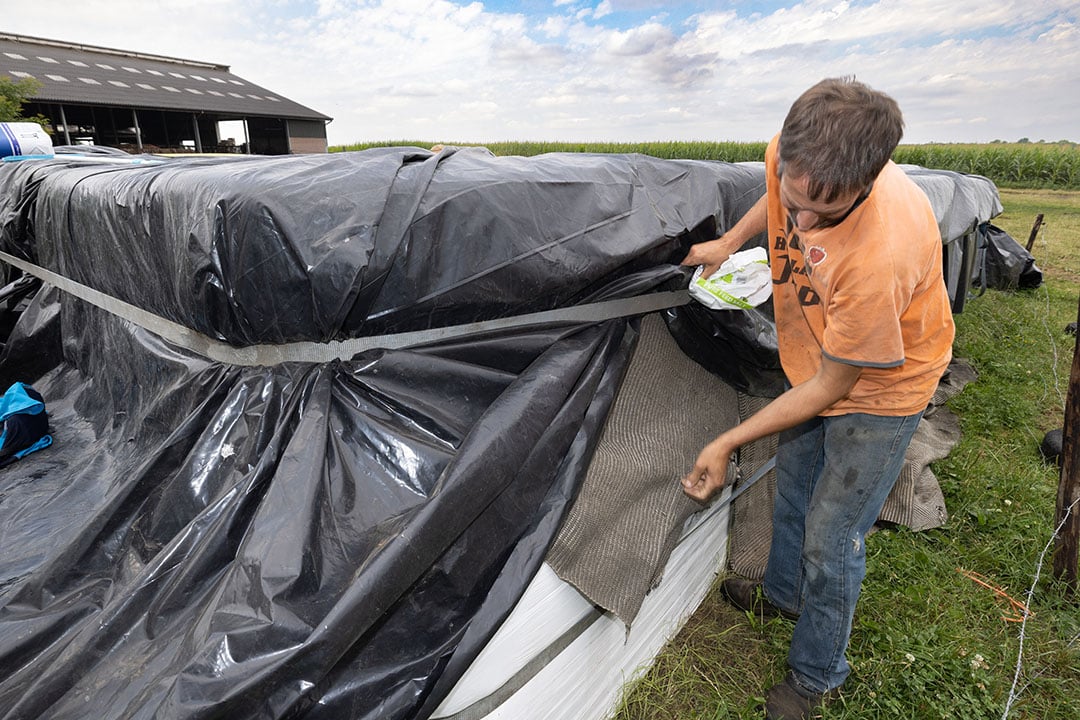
[749,596]
[788,700]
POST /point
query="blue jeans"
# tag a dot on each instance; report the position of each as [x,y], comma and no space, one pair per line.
[833,474]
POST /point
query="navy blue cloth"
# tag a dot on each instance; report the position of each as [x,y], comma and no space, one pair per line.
[25,427]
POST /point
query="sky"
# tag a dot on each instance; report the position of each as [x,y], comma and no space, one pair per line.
[611,70]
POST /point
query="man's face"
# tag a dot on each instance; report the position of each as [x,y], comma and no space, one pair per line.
[807,214]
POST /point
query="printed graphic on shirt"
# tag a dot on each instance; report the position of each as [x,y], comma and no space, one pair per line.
[791,267]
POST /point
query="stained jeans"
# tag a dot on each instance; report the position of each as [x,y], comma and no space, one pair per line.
[833,475]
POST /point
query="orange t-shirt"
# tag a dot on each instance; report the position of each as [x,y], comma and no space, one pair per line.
[868,292]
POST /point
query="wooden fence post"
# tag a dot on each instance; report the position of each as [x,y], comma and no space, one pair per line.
[1034,231]
[1068,508]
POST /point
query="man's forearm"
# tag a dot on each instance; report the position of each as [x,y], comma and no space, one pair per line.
[754,222]
[794,407]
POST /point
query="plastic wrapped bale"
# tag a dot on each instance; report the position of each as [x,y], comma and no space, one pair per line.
[310,539]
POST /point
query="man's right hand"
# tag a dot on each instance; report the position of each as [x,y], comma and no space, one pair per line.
[711,254]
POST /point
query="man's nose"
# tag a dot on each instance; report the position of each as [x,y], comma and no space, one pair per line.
[806,220]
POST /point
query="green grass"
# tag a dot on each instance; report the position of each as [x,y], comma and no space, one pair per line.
[928,641]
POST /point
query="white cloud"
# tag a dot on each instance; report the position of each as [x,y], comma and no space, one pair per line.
[1065,32]
[464,71]
[642,40]
[547,101]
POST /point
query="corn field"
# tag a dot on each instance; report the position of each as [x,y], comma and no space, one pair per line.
[1016,165]
[1028,165]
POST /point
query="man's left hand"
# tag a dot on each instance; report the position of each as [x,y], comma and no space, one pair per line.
[710,471]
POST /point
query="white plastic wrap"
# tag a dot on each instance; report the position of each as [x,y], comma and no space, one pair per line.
[585,679]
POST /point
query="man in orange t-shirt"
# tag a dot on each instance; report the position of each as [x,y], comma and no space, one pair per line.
[865,331]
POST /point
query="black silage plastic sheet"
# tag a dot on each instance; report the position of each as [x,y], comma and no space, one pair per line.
[332,540]
[1002,263]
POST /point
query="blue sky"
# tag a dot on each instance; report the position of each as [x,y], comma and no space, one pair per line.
[613,70]
[618,15]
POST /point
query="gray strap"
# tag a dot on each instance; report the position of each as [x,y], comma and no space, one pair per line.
[313,352]
[741,487]
[484,706]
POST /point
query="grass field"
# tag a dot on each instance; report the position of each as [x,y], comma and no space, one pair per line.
[928,641]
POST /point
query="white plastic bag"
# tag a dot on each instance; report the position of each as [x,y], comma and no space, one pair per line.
[742,282]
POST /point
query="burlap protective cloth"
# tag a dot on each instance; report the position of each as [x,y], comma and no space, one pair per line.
[631,509]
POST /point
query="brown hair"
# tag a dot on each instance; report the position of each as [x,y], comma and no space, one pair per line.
[840,133]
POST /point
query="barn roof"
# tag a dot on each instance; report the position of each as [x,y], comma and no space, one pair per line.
[90,75]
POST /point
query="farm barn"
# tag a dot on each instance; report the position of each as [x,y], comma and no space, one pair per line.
[150,103]
[400,446]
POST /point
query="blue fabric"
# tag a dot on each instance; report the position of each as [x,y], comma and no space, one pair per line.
[833,475]
[24,424]
[41,444]
[18,399]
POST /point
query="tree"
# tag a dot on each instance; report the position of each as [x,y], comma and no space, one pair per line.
[13,93]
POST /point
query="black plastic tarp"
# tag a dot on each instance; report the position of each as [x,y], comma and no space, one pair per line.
[331,540]
[327,247]
[1002,263]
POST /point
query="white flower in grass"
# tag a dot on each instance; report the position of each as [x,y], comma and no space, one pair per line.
[910,658]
